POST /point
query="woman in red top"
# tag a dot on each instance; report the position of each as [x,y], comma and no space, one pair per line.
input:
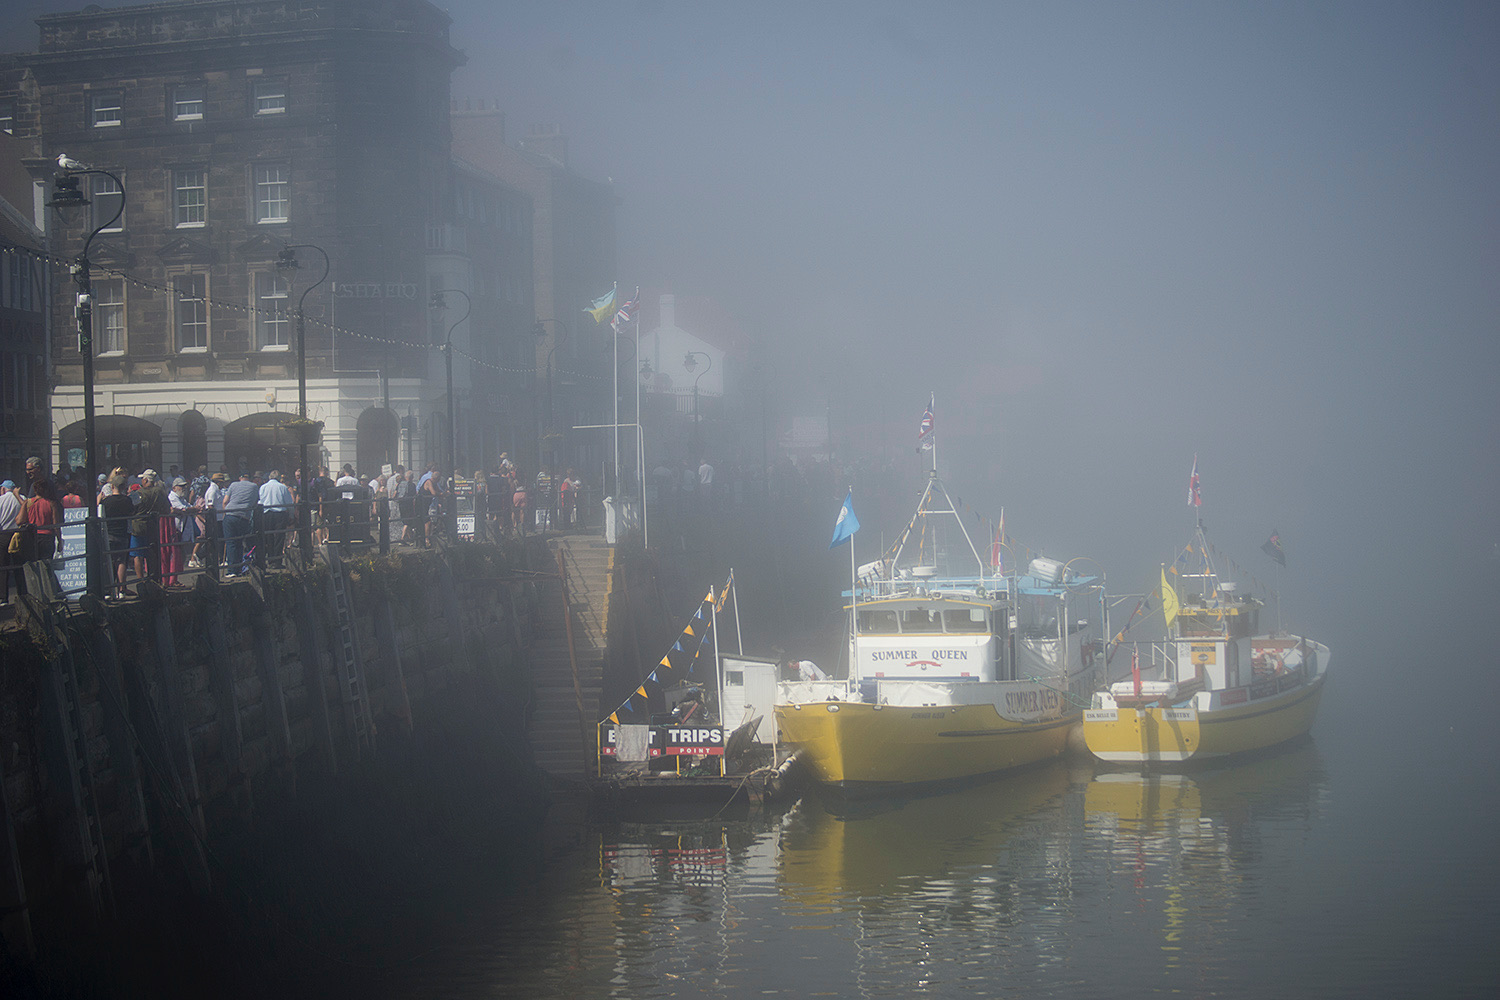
[44,513]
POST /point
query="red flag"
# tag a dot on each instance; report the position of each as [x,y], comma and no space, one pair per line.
[996,559]
[1135,668]
[1194,499]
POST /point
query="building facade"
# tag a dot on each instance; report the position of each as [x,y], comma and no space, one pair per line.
[236,130]
[24,276]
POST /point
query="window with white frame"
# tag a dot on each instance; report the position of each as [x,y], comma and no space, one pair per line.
[189,197]
[109,315]
[272,325]
[105,198]
[190,295]
[187,102]
[270,97]
[106,109]
[272,192]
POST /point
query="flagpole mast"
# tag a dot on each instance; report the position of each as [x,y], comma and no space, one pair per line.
[734,592]
[640,438]
[614,338]
[932,399]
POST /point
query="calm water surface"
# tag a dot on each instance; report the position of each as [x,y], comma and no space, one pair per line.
[1359,863]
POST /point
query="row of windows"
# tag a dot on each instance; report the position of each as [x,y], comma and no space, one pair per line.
[270,197]
[269,298]
[23,382]
[21,283]
[186,103]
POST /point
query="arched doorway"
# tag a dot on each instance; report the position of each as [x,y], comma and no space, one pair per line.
[376,435]
[130,442]
[194,430]
[262,443]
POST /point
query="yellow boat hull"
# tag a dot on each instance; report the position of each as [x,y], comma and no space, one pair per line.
[1168,735]
[855,746]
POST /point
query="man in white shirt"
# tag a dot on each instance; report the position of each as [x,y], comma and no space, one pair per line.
[276,502]
[10,509]
[706,483]
[807,670]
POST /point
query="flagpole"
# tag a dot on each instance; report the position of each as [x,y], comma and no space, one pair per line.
[614,338]
[932,400]
[640,472]
[734,592]
[853,597]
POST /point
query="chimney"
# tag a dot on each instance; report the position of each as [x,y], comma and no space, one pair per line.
[548,141]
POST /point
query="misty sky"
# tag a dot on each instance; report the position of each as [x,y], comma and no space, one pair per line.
[1109,235]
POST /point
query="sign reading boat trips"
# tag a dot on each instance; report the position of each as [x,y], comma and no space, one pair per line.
[673,741]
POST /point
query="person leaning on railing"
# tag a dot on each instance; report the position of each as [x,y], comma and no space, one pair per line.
[41,514]
[10,510]
[151,505]
[117,509]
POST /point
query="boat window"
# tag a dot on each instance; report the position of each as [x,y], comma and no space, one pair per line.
[964,620]
[878,620]
[920,620]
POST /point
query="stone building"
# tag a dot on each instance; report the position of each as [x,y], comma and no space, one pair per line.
[238,128]
[573,225]
[24,423]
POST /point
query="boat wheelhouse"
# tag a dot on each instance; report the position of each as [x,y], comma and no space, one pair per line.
[950,676]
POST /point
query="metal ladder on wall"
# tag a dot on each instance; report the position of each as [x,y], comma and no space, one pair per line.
[46,606]
[91,831]
[351,684]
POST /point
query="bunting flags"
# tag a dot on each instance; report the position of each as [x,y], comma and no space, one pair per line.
[698,627]
[847,524]
[1195,499]
[924,432]
[1169,603]
[1272,548]
[602,305]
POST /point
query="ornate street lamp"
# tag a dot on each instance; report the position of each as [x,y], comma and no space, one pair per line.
[439,301]
[66,196]
[286,263]
[690,364]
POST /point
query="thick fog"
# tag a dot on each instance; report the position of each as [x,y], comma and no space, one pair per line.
[1107,236]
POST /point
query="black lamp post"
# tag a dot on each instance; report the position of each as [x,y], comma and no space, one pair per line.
[440,302]
[286,263]
[66,195]
[690,364]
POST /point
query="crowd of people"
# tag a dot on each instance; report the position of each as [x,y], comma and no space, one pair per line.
[156,527]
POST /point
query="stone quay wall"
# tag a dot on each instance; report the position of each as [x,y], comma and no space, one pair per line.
[138,740]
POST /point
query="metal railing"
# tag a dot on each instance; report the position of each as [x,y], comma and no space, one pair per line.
[226,544]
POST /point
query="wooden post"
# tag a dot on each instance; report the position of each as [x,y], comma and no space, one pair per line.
[273,697]
[178,740]
[385,635]
[314,669]
[117,731]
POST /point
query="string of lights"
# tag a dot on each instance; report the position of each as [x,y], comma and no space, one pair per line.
[167,290]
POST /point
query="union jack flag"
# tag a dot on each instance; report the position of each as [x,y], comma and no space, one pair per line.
[626,313]
[924,433]
[1194,498]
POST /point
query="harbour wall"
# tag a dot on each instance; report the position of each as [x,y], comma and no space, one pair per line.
[317,724]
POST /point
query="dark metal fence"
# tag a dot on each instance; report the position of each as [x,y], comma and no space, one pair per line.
[230,543]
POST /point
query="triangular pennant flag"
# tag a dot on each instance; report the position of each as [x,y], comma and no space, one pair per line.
[614,717]
[689,630]
[676,648]
[641,690]
[652,678]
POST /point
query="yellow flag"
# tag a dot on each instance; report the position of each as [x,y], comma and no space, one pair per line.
[1169,603]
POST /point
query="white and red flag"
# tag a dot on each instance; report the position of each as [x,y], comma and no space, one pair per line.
[1195,499]
[924,432]
[997,560]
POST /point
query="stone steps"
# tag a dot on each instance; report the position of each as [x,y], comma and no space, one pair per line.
[561,744]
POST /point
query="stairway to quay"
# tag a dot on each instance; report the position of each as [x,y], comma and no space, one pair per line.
[316,724]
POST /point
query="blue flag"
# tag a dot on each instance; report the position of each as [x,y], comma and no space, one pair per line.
[847,524]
